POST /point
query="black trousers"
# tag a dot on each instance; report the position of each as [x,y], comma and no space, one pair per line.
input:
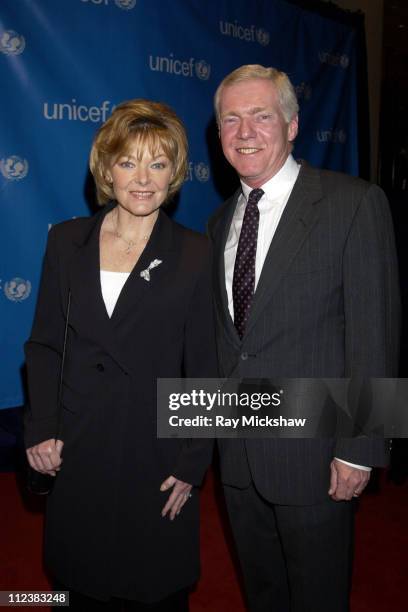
[293,558]
[177,602]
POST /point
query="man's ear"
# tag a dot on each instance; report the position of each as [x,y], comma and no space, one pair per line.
[293,128]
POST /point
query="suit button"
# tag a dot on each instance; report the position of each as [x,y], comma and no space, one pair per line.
[244,356]
[100,367]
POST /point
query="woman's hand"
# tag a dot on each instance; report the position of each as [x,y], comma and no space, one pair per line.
[180,494]
[46,456]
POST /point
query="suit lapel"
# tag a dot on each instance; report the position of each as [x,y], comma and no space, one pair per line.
[87,306]
[298,219]
[220,239]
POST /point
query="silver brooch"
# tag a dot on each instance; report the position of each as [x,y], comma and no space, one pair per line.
[153,264]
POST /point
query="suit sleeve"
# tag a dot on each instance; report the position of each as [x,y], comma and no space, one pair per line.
[200,361]
[43,352]
[371,309]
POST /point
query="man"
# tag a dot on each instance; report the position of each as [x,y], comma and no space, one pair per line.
[305,286]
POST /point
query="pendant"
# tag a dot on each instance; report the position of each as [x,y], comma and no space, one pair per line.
[130,246]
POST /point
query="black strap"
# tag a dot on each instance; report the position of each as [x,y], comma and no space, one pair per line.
[64,350]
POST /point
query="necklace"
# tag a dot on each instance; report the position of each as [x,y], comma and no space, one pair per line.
[130,243]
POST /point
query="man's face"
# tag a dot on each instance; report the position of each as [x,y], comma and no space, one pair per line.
[255,137]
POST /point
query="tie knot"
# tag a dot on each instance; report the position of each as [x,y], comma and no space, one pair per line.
[254,196]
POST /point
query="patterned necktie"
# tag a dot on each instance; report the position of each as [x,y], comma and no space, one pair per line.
[243,283]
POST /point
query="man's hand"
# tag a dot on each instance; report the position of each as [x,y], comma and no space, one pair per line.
[345,481]
[180,494]
[46,456]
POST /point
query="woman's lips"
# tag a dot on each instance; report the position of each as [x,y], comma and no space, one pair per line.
[142,195]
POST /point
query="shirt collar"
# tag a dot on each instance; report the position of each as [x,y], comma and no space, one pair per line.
[280,182]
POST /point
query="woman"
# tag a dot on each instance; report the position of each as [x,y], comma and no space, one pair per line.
[140,308]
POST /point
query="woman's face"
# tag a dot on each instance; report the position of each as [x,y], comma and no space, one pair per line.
[141,184]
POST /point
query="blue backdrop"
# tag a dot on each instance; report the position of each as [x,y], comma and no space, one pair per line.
[65,64]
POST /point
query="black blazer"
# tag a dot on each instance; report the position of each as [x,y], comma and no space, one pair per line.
[326,305]
[106,501]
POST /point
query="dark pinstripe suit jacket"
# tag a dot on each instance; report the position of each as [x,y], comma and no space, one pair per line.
[326,305]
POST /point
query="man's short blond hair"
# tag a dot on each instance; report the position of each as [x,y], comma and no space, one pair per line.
[286,93]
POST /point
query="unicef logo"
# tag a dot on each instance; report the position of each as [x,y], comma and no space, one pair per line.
[12,43]
[341,136]
[126,5]
[202,172]
[338,136]
[203,70]
[334,59]
[262,36]
[17,289]
[14,168]
[344,61]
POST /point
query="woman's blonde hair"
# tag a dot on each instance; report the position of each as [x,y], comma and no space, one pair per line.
[146,124]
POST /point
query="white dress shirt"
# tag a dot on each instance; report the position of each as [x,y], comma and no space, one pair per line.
[271,206]
[276,193]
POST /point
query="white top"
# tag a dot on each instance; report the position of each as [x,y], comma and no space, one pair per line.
[112,284]
[271,206]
